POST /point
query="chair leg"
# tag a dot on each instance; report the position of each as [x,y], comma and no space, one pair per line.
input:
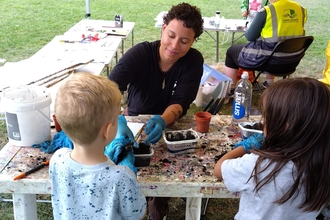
[255,82]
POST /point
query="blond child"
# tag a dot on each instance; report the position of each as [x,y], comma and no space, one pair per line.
[85,183]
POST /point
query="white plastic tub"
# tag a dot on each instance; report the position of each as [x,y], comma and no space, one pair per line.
[181,146]
[246,132]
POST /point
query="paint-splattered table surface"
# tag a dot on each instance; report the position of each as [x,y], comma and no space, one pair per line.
[190,174]
[183,175]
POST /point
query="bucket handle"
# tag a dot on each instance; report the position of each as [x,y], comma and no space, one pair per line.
[45,116]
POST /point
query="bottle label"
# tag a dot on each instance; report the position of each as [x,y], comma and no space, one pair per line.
[238,110]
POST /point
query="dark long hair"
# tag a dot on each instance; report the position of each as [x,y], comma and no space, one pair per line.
[296,114]
[190,15]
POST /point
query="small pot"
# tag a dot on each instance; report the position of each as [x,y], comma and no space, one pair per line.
[203,121]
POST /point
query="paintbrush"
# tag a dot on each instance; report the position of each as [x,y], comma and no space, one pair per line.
[32,170]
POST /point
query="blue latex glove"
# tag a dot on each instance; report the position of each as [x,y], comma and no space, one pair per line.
[129,161]
[59,140]
[123,130]
[120,151]
[154,129]
[254,141]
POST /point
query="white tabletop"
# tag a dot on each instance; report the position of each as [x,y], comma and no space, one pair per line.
[103,26]
[232,25]
[59,55]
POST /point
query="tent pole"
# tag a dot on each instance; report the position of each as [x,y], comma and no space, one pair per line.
[88,12]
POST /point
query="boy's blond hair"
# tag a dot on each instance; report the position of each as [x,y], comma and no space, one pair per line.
[84,104]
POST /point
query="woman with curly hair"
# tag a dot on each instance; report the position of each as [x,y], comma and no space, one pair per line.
[162,78]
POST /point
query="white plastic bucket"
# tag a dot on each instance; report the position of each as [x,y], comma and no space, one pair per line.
[27,110]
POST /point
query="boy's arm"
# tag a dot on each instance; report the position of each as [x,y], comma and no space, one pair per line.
[235,153]
[145,214]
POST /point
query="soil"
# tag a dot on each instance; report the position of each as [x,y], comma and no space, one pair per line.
[256,126]
[180,136]
[143,149]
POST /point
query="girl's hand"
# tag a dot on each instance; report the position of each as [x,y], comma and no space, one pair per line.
[254,141]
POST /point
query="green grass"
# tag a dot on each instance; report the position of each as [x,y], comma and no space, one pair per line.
[28,25]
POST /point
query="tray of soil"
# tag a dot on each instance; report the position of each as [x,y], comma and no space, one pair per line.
[249,128]
[143,155]
[181,141]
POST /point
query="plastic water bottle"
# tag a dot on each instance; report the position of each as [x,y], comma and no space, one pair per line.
[217,19]
[242,99]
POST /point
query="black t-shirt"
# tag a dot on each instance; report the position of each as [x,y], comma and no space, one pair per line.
[138,70]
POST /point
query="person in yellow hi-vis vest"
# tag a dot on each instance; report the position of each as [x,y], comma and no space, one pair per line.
[280,20]
[326,71]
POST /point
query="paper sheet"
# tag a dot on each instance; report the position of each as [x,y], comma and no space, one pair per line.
[136,128]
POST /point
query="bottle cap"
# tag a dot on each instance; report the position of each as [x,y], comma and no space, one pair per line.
[217,12]
[245,75]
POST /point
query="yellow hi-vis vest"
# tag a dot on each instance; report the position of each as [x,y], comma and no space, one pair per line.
[284,19]
[326,71]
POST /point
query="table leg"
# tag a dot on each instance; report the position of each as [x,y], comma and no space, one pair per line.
[122,48]
[216,40]
[132,37]
[217,47]
[193,208]
[232,38]
[25,206]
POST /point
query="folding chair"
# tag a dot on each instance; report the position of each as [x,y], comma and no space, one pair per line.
[295,45]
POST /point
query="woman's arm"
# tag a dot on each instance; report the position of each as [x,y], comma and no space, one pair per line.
[254,30]
[172,113]
[235,153]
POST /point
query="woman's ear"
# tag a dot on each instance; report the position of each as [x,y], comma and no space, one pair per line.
[163,27]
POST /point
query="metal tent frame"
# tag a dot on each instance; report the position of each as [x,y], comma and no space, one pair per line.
[88,11]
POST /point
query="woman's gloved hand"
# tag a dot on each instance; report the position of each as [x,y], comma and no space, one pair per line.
[254,141]
[154,129]
[123,130]
[121,152]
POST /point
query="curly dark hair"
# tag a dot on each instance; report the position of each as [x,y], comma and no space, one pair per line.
[190,15]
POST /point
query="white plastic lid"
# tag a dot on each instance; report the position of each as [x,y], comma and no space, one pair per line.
[245,75]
